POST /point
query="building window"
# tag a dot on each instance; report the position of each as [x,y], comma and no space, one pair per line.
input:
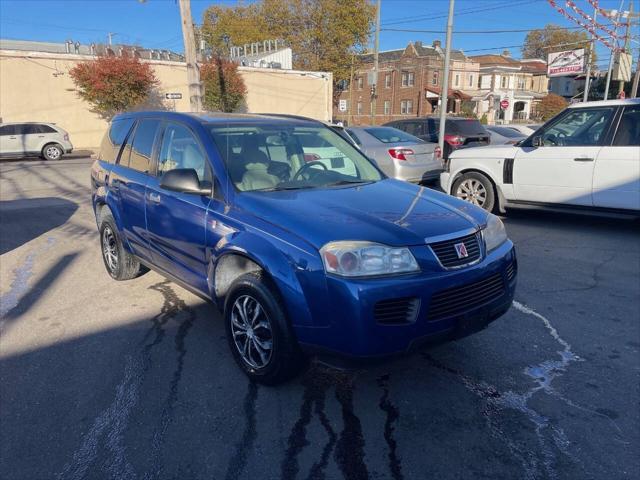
[521,83]
[343,85]
[359,108]
[360,83]
[387,107]
[504,82]
[434,78]
[406,107]
[456,81]
[407,79]
[387,80]
[471,80]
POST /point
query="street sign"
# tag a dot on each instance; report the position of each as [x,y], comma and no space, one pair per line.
[504,104]
[173,96]
[342,105]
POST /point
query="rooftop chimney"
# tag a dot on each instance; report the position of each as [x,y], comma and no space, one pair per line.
[436,44]
[506,53]
[418,44]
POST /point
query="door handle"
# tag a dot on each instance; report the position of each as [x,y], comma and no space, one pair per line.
[583,159]
[154,197]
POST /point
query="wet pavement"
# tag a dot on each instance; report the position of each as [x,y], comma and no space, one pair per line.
[104,379]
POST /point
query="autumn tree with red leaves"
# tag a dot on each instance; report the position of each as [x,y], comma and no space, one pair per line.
[551,105]
[224,89]
[113,84]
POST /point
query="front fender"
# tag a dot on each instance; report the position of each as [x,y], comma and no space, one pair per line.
[297,273]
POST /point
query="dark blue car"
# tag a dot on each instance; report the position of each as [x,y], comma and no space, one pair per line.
[307,248]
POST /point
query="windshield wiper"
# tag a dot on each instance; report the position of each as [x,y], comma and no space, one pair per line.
[348,182]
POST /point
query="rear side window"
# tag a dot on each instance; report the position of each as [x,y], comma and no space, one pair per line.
[412,128]
[628,134]
[465,127]
[47,129]
[392,135]
[143,138]
[354,137]
[114,138]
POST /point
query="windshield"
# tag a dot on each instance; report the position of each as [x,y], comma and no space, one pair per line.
[287,157]
[392,135]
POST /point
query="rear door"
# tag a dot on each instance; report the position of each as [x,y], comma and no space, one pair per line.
[129,177]
[33,137]
[561,170]
[616,178]
[10,143]
[176,221]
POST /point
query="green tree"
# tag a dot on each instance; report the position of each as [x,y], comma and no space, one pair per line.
[554,38]
[224,89]
[113,84]
[551,105]
[323,34]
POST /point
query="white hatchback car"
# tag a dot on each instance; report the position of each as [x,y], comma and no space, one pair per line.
[588,156]
[33,139]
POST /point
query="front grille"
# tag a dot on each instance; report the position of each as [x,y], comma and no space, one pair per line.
[396,311]
[511,271]
[457,300]
[448,256]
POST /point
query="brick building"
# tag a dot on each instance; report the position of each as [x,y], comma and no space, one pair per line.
[408,85]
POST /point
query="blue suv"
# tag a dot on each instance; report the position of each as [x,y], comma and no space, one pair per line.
[299,239]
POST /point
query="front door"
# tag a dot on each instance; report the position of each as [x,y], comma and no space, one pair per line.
[10,140]
[616,180]
[560,171]
[176,221]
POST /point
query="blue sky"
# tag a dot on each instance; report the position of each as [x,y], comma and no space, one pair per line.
[155,23]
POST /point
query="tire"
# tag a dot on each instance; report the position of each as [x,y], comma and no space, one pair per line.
[120,264]
[475,188]
[52,152]
[250,340]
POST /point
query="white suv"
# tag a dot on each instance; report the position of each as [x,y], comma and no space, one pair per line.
[32,139]
[588,156]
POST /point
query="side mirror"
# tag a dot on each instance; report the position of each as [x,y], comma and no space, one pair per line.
[185,180]
[537,141]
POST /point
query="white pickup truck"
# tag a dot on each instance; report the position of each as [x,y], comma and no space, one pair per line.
[588,156]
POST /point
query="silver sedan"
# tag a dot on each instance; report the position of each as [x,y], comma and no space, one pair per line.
[398,154]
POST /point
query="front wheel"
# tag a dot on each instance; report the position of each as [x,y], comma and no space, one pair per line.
[259,335]
[475,188]
[52,152]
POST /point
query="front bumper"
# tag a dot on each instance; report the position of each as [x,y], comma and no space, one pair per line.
[354,332]
[445,181]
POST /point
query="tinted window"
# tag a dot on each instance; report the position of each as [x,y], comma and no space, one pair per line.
[578,127]
[114,139]
[506,132]
[30,129]
[465,127]
[143,138]
[354,137]
[47,129]
[392,135]
[628,133]
[8,130]
[181,150]
[413,128]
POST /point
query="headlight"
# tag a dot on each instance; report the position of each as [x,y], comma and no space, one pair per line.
[494,233]
[360,259]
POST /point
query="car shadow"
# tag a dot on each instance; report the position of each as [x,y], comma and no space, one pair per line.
[25,219]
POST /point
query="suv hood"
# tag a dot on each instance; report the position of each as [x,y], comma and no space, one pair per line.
[389,212]
[489,151]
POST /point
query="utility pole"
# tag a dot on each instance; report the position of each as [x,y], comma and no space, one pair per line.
[445,80]
[618,13]
[109,36]
[636,79]
[350,109]
[376,48]
[626,42]
[592,47]
[193,74]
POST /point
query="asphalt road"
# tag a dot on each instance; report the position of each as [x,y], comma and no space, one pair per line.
[100,379]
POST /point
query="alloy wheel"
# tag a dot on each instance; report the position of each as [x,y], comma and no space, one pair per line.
[109,248]
[251,330]
[53,152]
[473,191]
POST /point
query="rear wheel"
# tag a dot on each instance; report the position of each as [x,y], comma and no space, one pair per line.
[52,152]
[120,264]
[259,335]
[475,188]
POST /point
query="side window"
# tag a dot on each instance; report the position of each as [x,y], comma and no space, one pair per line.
[579,127]
[7,130]
[46,129]
[30,129]
[114,138]
[20,128]
[628,133]
[181,150]
[144,136]
[354,137]
[413,128]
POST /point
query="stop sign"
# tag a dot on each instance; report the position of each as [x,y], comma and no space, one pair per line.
[504,104]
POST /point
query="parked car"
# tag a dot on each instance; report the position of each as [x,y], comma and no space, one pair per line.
[504,136]
[588,156]
[398,154]
[525,130]
[458,132]
[300,258]
[32,139]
